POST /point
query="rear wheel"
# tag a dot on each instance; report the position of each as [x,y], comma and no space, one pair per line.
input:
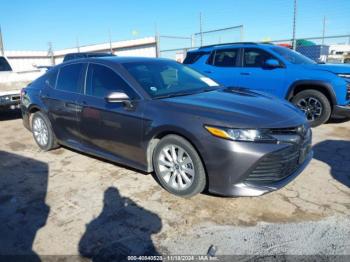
[42,132]
[315,106]
[178,166]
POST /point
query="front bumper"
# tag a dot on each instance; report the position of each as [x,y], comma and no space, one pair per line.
[10,101]
[247,189]
[253,169]
[341,111]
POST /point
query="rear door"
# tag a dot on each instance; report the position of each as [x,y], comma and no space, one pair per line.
[255,75]
[222,66]
[62,103]
[110,128]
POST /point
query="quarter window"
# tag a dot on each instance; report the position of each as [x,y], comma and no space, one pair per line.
[69,78]
[225,58]
[102,80]
[4,65]
[254,57]
[49,79]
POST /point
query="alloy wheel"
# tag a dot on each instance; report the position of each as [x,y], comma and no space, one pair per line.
[311,107]
[40,131]
[176,167]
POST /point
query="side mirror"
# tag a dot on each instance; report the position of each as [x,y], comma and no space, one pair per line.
[272,63]
[117,97]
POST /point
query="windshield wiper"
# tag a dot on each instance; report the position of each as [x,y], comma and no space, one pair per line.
[207,89]
[174,95]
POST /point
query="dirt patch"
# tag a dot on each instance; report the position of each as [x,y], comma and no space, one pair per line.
[340,132]
[16,146]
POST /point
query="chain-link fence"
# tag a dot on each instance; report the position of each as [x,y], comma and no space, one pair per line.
[320,29]
[175,47]
[324,49]
[219,36]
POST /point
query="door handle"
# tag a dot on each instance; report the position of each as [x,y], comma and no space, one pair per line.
[208,72]
[245,74]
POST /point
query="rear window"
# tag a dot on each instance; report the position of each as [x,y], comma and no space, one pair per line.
[48,80]
[193,57]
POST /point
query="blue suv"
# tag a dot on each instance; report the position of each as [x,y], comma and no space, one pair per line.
[319,90]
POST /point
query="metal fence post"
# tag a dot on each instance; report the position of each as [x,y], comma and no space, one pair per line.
[50,54]
[294,25]
[2,50]
[201,28]
[157,45]
[242,33]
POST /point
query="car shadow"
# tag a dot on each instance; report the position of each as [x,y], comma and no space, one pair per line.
[337,120]
[122,229]
[23,211]
[10,114]
[335,153]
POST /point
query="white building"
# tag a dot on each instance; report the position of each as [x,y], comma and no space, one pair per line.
[339,54]
[27,60]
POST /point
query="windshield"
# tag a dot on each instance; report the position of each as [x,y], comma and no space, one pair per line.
[292,56]
[168,78]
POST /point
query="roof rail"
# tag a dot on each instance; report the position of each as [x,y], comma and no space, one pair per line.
[234,43]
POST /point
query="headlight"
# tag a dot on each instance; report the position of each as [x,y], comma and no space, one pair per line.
[346,76]
[238,134]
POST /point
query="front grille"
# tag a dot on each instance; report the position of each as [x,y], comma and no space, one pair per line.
[348,91]
[276,166]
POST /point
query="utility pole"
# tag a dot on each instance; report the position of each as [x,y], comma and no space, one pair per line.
[294,25]
[157,40]
[2,51]
[323,29]
[201,28]
[241,33]
[78,45]
[50,53]
[110,41]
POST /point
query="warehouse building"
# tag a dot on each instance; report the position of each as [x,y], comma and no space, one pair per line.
[29,60]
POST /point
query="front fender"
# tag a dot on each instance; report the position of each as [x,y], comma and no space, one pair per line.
[316,83]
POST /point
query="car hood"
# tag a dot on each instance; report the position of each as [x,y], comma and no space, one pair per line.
[336,69]
[239,108]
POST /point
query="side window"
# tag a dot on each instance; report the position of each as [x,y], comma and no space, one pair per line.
[193,57]
[4,65]
[69,78]
[254,57]
[102,80]
[49,79]
[225,58]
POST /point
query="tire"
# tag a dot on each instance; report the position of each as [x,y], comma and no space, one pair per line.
[305,100]
[172,174]
[40,127]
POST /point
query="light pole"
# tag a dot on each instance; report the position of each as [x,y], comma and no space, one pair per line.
[2,51]
[201,28]
[323,29]
[294,25]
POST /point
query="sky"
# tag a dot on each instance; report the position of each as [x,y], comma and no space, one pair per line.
[31,24]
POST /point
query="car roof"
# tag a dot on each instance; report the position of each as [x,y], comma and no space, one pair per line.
[209,48]
[116,60]
[90,53]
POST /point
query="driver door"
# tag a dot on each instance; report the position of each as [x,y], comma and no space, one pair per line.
[109,128]
[255,75]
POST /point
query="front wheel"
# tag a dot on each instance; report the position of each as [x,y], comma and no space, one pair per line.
[315,106]
[178,166]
